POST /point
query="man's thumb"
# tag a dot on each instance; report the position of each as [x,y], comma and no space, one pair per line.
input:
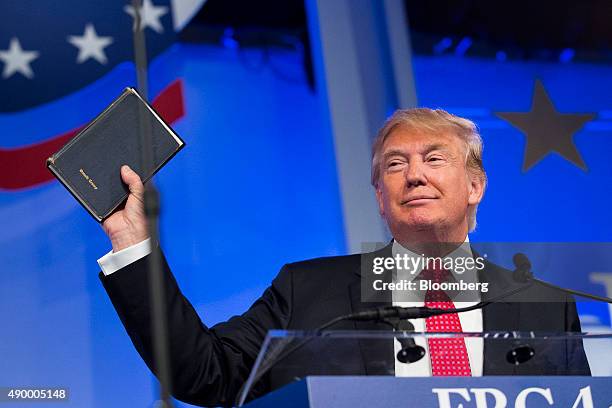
[132,179]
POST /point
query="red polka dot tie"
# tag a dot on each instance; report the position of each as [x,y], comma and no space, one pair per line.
[448,355]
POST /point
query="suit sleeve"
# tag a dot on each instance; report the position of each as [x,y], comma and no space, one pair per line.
[208,365]
[577,363]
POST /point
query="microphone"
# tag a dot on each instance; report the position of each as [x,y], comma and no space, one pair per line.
[523,274]
[410,351]
[397,312]
[393,312]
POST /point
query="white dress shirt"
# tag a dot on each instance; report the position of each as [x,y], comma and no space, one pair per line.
[113,261]
[470,321]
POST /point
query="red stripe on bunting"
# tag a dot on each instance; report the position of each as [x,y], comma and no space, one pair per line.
[25,166]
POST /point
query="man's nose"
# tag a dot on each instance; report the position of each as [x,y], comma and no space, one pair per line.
[415,174]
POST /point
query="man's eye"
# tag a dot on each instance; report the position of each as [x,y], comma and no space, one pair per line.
[434,158]
[394,164]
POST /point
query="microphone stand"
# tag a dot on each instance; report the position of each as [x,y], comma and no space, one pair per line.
[151,203]
[525,275]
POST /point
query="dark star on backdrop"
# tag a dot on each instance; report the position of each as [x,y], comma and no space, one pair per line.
[547,130]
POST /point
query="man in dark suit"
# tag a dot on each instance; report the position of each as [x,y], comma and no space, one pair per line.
[428,177]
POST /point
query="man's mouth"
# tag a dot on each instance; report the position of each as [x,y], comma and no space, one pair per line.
[420,199]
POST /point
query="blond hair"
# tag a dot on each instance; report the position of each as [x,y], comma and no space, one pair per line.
[434,121]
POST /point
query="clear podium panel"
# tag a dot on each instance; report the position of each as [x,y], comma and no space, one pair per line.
[439,392]
[289,356]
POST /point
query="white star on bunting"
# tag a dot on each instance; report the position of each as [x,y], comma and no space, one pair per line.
[90,45]
[149,15]
[17,60]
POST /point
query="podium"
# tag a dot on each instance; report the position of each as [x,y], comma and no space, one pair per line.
[363,369]
[484,392]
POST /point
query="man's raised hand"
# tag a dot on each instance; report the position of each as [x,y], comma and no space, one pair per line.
[128,226]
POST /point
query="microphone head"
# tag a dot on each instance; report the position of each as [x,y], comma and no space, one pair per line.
[410,351]
[521,261]
[405,325]
[522,273]
[410,354]
[520,354]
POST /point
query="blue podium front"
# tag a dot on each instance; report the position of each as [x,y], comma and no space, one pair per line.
[442,392]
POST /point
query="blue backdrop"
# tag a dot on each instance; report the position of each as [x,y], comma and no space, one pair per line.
[256,187]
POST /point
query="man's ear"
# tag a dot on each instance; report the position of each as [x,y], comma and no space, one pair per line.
[379,199]
[476,189]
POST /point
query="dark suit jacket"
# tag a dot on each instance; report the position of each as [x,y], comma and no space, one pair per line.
[209,365]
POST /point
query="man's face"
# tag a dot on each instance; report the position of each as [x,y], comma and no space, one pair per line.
[424,184]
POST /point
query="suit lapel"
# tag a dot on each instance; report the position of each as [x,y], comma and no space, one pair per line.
[502,316]
[377,354]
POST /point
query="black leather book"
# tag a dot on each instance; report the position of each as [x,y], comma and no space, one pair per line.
[89,165]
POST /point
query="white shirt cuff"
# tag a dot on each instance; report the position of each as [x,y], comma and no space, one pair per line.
[113,261]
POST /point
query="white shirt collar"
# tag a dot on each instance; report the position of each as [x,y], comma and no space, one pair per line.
[470,275]
[464,250]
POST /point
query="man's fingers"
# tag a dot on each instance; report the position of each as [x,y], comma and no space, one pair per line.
[132,179]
